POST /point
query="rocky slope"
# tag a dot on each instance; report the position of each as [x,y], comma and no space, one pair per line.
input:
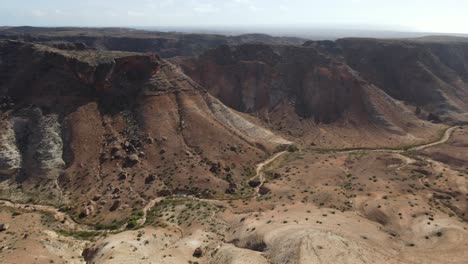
[107,131]
[310,93]
[429,74]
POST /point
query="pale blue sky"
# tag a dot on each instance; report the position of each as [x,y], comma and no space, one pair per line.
[407,15]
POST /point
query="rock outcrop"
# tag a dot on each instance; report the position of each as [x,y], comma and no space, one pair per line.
[10,157]
[43,149]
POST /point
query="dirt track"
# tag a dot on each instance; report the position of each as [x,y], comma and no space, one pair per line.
[447,135]
[259,171]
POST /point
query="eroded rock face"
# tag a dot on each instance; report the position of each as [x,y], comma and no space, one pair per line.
[327,81]
[44,152]
[32,144]
[261,77]
[428,73]
[10,157]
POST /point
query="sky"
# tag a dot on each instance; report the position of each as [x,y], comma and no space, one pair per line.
[444,16]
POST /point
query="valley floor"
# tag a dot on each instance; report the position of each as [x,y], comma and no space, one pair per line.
[309,206]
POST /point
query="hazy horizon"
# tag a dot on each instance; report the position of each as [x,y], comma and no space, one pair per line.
[353,15]
[301,32]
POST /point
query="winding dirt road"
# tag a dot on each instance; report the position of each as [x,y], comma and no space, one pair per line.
[259,171]
[58,215]
[445,137]
[148,207]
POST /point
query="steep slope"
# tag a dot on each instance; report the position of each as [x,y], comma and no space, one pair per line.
[431,74]
[308,93]
[104,132]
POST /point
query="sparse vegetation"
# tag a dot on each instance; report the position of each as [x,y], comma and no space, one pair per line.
[79,234]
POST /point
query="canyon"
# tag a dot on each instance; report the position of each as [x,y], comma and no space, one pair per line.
[121,145]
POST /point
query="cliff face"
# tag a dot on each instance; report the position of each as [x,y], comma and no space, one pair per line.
[321,77]
[358,83]
[110,129]
[256,77]
[432,75]
[86,73]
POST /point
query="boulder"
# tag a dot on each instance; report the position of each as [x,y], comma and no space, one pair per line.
[122,176]
[150,179]
[133,158]
[115,206]
[119,154]
[87,211]
[230,191]
[149,140]
[198,253]
[4,227]
[254,183]
[264,190]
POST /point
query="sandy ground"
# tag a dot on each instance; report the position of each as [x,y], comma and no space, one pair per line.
[32,238]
